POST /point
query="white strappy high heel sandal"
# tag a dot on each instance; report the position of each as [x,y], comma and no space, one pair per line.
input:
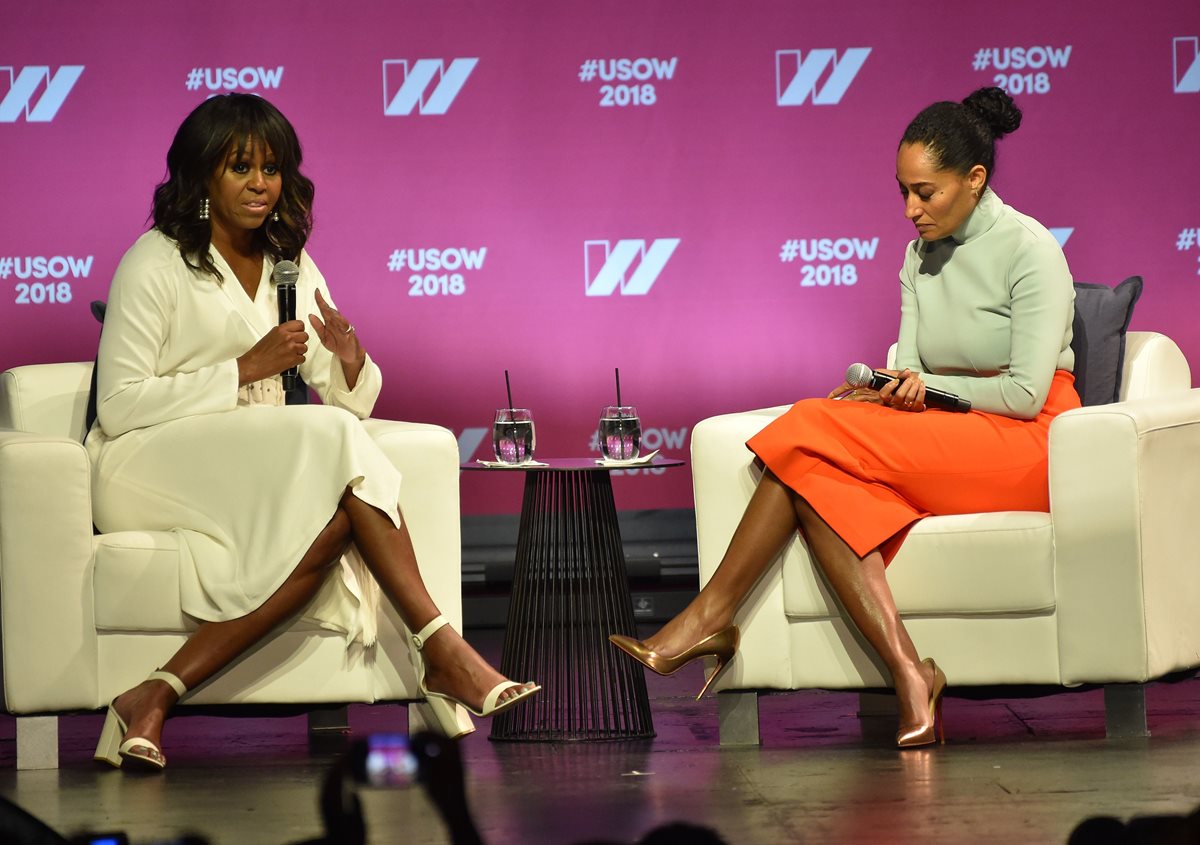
[447,710]
[136,750]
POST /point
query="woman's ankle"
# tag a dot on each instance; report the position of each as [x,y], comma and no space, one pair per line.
[144,708]
[712,614]
[912,686]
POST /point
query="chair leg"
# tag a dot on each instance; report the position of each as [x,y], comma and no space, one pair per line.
[737,716]
[873,704]
[419,719]
[37,742]
[329,719]
[1125,711]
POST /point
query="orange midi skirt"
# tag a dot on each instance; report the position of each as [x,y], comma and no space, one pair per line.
[871,472]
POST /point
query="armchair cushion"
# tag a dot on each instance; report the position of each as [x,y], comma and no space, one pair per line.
[973,564]
[131,566]
[1101,319]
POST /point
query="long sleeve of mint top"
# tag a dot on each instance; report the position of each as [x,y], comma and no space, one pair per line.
[986,313]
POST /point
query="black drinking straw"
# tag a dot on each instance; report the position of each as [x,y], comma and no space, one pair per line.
[617,370]
[508,389]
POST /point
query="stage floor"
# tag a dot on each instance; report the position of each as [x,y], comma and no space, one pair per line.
[1013,770]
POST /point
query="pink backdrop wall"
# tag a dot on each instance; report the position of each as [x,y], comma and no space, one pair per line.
[734,136]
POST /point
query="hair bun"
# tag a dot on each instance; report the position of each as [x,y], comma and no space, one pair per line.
[996,109]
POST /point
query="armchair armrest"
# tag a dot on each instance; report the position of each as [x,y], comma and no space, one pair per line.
[724,477]
[1153,365]
[427,457]
[47,630]
[1123,491]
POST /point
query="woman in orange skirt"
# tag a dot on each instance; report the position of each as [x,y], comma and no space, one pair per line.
[986,308]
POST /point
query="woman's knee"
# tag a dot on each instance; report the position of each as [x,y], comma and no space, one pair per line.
[340,523]
[331,543]
[357,509]
[340,530]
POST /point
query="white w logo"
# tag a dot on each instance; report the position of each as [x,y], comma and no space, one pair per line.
[469,442]
[401,96]
[1062,233]
[21,90]
[1187,64]
[794,79]
[618,259]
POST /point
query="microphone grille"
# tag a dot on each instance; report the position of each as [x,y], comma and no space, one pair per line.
[858,375]
[285,273]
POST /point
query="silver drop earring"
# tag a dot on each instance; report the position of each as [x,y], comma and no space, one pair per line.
[274,216]
[204,209]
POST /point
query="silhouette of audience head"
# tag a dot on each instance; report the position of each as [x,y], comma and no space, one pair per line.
[1140,830]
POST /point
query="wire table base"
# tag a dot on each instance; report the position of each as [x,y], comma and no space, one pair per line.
[569,593]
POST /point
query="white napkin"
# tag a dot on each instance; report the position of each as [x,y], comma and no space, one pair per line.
[502,465]
[631,462]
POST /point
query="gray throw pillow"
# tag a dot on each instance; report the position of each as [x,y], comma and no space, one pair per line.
[1101,319]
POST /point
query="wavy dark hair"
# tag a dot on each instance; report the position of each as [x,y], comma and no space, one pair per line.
[958,136]
[203,142]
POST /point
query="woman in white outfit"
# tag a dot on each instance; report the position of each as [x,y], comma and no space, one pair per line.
[193,435]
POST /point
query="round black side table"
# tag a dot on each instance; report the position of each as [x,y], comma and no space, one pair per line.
[570,592]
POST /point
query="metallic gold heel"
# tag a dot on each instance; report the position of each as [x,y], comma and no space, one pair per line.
[721,645]
[938,722]
[935,730]
[722,662]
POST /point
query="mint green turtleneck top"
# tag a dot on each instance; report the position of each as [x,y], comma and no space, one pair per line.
[986,313]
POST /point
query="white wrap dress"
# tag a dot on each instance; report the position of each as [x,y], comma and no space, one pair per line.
[246,482]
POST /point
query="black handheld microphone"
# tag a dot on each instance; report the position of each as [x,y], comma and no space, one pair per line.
[284,278]
[860,375]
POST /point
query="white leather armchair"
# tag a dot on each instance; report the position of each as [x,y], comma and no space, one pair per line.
[1104,589]
[84,617]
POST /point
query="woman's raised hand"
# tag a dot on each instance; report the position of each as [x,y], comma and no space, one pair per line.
[282,347]
[336,333]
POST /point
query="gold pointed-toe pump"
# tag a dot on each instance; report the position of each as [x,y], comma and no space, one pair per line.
[721,645]
[927,734]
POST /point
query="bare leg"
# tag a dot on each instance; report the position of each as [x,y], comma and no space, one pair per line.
[774,512]
[215,644]
[451,665]
[863,589]
[768,523]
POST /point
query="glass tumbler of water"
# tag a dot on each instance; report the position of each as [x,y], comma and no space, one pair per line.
[512,435]
[620,432]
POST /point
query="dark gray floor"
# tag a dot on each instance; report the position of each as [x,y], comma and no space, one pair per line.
[1013,770]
